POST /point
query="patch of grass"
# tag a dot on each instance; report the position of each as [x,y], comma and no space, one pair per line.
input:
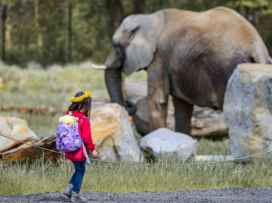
[39,88]
[210,147]
[39,177]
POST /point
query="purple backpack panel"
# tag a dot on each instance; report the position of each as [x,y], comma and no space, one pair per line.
[68,138]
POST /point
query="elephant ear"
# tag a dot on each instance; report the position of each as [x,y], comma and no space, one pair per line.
[142,33]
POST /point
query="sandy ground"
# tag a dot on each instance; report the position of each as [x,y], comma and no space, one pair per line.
[218,195]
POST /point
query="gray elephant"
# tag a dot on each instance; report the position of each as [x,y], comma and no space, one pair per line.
[189,55]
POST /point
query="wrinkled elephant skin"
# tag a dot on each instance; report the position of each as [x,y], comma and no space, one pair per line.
[188,55]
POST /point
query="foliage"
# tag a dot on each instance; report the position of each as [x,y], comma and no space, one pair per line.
[40,177]
[37,30]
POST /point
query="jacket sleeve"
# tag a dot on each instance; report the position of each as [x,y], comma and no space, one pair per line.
[86,134]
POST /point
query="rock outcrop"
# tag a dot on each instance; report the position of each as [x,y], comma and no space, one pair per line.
[113,135]
[15,128]
[164,143]
[248,109]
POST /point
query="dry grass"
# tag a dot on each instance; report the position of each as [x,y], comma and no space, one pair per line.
[39,177]
[38,88]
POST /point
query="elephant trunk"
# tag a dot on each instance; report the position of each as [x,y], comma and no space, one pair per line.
[114,84]
[113,79]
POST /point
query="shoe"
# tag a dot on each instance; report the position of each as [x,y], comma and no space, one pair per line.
[68,190]
[77,199]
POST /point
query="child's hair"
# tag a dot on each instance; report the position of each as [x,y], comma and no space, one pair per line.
[85,104]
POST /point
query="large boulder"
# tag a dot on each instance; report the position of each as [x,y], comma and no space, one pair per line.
[164,143]
[113,135]
[15,128]
[248,109]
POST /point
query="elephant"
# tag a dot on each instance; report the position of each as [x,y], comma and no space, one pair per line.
[188,55]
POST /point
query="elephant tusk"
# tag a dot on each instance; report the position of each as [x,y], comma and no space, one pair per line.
[102,67]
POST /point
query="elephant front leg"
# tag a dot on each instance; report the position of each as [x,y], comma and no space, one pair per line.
[157,96]
[183,114]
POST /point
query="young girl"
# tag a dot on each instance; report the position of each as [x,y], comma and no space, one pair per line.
[80,107]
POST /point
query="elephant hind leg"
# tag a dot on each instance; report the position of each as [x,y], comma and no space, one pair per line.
[183,114]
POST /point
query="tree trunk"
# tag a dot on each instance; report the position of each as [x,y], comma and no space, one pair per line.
[37,26]
[139,6]
[70,32]
[4,17]
[116,14]
[8,27]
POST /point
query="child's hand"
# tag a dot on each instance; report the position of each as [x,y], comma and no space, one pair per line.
[95,154]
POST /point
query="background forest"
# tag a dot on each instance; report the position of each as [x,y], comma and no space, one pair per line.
[71,31]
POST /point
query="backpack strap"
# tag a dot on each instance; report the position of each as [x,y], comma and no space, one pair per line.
[85,153]
[84,148]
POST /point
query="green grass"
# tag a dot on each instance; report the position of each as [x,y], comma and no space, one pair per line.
[39,177]
[216,147]
[38,88]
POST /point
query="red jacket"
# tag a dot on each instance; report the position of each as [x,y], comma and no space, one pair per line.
[84,128]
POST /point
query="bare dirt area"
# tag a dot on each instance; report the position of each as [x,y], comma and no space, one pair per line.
[216,195]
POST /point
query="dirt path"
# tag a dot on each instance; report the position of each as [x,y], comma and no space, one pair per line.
[219,195]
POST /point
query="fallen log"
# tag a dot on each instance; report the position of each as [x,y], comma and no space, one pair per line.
[31,153]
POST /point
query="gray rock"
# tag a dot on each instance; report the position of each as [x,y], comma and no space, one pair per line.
[248,109]
[164,143]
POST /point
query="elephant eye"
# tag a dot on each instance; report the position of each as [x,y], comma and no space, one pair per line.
[131,33]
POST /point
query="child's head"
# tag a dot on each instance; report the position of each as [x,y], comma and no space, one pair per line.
[83,106]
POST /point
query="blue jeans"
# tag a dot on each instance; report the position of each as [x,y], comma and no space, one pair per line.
[76,179]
